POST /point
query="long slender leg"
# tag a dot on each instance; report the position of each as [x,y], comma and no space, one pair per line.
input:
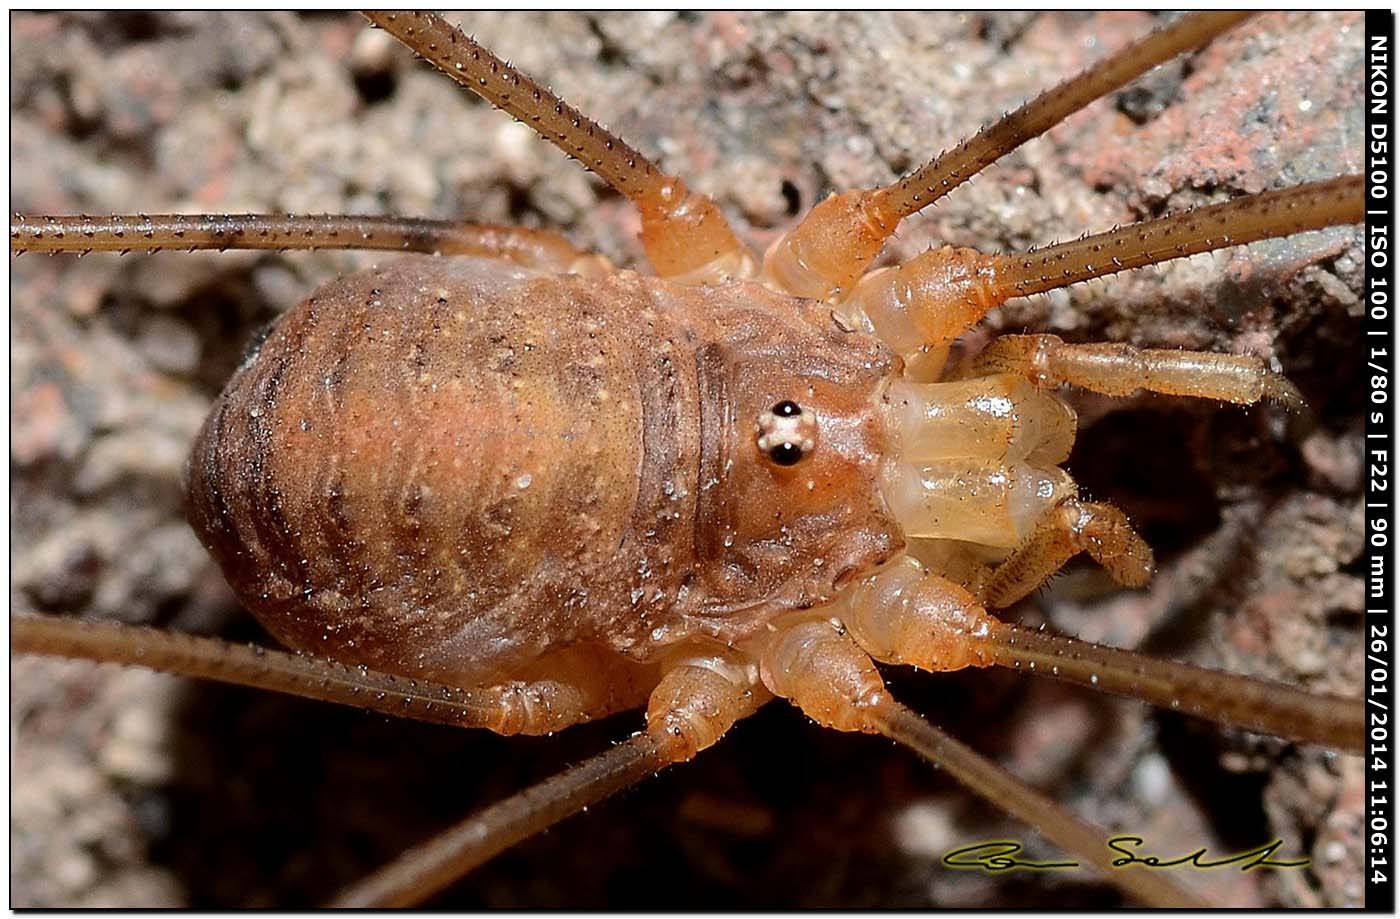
[835,243]
[685,236]
[426,869]
[1258,705]
[1071,527]
[536,707]
[937,296]
[1270,214]
[697,700]
[82,234]
[1117,369]
[994,783]
[902,615]
[822,671]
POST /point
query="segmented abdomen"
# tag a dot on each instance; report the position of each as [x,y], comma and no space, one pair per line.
[447,467]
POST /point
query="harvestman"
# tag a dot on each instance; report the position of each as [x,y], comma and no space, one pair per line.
[825,479]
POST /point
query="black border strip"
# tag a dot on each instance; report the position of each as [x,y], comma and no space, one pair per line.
[1379,342]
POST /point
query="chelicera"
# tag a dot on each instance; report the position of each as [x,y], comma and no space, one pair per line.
[800,399]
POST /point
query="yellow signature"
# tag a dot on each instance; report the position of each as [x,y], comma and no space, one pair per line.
[1001,855]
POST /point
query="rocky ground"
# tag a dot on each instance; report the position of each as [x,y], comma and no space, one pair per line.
[136,789]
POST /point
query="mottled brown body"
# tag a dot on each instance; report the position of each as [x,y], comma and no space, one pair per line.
[450,468]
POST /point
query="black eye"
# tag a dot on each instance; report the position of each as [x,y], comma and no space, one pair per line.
[785,454]
[787,433]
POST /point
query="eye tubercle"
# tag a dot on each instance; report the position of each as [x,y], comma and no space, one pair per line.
[787,433]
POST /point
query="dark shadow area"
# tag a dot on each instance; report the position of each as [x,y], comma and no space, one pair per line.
[1145,462]
[1233,800]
